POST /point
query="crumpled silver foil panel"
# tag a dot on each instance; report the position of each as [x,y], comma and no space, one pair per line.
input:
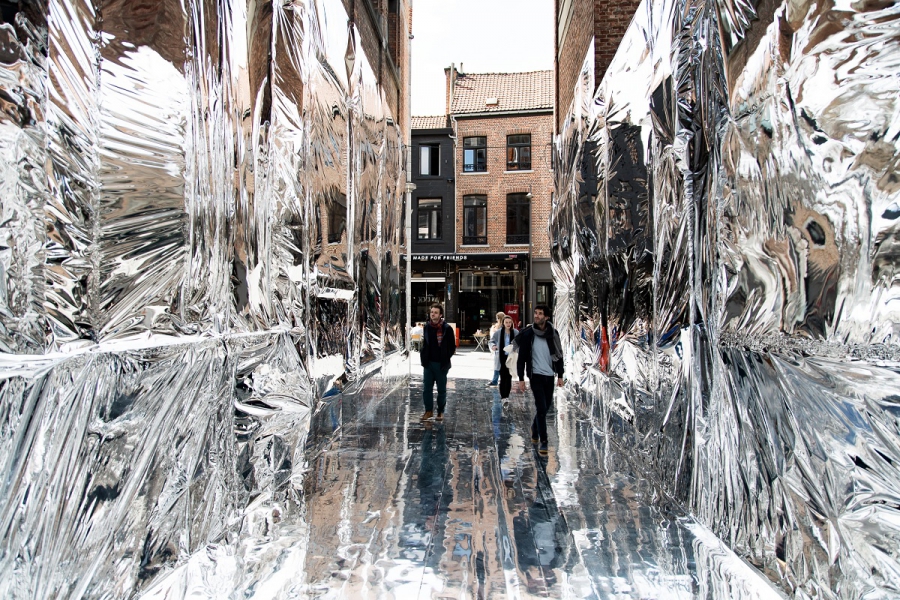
[725,254]
[201,236]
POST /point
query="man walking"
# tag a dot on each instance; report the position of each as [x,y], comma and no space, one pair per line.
[438,345]
[540,353]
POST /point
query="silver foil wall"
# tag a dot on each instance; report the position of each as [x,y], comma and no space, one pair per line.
[726,256]
[201,236]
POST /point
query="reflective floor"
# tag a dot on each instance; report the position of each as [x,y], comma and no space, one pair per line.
[467,508]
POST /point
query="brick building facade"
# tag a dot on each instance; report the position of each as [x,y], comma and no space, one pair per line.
[581,24]
[502,125]
[384,27]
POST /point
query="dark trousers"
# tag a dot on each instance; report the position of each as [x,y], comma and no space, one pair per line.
[542,388]
[434,373]
[505,381]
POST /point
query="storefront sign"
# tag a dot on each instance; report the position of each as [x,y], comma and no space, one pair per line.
[472,257]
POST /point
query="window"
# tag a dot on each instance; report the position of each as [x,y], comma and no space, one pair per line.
[475,220]
[430,160]
[337,219]
[518,152]
[474,154]
[543,293]
[518,219]
[429,216]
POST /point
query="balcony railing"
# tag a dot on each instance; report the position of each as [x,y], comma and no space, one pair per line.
[517,238]
[474,240]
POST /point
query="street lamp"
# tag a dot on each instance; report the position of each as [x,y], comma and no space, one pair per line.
[410,188]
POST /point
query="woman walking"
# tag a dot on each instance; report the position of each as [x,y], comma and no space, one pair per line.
[502,338]
[494,329]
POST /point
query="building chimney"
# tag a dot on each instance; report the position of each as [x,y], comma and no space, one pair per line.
[450,77]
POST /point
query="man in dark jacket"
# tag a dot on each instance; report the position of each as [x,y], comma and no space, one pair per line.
[540,354]
[438,345]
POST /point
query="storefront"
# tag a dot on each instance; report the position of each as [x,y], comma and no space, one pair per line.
[473,288]
[485,292]
[425,292]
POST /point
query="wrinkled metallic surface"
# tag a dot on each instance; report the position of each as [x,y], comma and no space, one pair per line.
[726,258]
[467,508]
[173,303]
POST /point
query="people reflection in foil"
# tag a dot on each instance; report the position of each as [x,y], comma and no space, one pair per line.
[438,345]
[541,357]
[540,536]
[503,340]
[494,329]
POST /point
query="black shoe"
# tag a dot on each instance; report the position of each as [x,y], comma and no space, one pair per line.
[543,449]
[534,435]
[492,385]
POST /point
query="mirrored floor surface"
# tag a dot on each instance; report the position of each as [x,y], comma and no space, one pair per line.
[467,508]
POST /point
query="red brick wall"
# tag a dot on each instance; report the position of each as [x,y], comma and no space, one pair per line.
[611,19]
[570,55]
[370,39]
[496,183]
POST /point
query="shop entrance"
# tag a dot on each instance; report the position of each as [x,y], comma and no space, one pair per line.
[482,294]
[425,292]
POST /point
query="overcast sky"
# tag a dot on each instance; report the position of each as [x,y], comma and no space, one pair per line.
[486,36]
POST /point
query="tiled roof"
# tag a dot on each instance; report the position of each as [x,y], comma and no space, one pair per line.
[513,91]
[435,122]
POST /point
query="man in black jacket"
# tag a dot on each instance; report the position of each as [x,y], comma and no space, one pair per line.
[438,345]
[540,353]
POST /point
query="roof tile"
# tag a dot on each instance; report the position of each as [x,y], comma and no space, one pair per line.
[532,90]
[433,122]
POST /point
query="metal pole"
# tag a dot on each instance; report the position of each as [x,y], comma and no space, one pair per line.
[529,283]
[410,186]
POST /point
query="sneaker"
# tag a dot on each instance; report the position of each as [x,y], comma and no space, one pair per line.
[505,402]
[439,417]
[543,449]
[427,416]
[492,384]
[534,436]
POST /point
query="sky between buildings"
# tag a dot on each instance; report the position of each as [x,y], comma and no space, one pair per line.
[485,36]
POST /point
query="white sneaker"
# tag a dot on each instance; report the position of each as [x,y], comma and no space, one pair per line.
[505,401]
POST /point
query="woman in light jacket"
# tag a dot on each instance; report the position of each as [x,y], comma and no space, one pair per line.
[500,340]
[494,329]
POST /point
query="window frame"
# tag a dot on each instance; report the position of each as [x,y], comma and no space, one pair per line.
[438,223]
[518,152]
[434,159]
[473,204]
[518,212]
[473,167]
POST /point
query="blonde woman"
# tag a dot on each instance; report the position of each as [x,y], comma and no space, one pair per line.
[495,328]
[503,338]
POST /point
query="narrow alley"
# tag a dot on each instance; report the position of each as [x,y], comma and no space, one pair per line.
[468,508]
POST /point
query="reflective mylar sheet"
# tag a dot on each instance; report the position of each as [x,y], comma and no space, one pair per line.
[726,257]
[201,236]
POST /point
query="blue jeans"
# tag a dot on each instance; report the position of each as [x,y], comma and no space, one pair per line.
[496,376]
[434,372]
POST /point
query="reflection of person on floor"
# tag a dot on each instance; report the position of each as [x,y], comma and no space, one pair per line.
[540,355]
[501,339]
[541,539]
[494,329]
[438,345]
[434,499]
